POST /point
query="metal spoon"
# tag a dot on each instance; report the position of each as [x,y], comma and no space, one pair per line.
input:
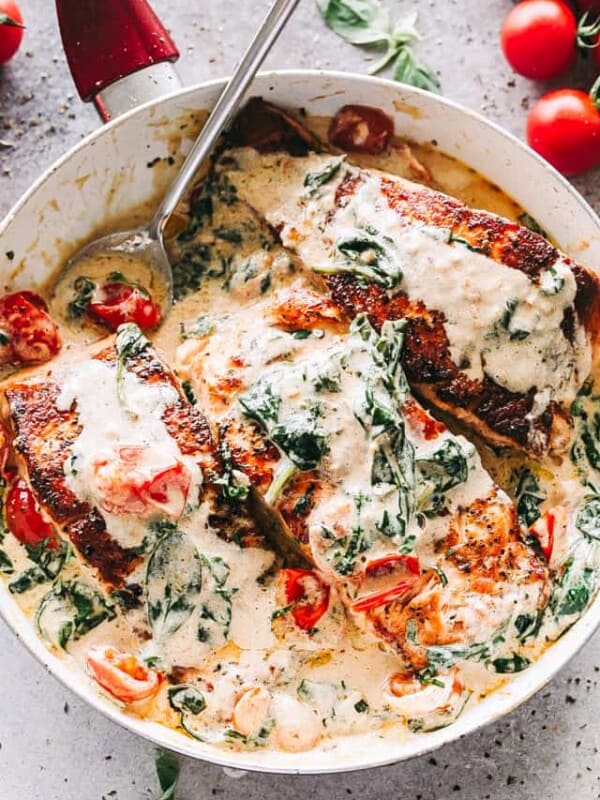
[146,245]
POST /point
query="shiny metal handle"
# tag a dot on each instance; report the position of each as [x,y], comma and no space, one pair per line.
[226,106]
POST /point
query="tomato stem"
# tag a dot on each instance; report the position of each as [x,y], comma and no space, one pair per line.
[595,93]
[5,19]
[587,33]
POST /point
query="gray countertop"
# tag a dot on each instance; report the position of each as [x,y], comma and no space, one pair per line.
[52,746]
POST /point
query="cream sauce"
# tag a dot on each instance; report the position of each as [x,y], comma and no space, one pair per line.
[309,690]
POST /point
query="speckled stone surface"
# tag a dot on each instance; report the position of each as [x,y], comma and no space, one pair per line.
[52,746]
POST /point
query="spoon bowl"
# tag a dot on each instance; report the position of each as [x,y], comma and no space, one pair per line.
[145,247]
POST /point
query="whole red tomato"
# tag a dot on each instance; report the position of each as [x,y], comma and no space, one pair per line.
[539,38]
[11,29]
[564,127]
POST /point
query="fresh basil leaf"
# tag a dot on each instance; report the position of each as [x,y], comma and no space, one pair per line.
[408,68]
[167,771]
[361,22]
[173,583]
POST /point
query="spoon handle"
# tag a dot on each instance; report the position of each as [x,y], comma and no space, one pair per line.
[226,106]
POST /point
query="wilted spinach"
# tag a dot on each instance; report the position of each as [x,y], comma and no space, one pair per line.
[173,583]
[314,180]
[216,602]
[528,494]
[70,610]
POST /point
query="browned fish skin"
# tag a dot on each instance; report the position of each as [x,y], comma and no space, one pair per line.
[499,415]
[43,435]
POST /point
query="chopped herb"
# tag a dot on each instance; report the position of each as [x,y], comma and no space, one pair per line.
[189,393]
[301,334]
[428,677]
[441,575]
[6,565]
[527,221]
[551,283]
[509,665]
[282,611]
[130,343]
[84,289]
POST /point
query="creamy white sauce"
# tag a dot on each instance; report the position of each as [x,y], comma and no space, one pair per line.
[498,322]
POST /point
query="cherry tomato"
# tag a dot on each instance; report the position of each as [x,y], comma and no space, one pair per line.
[421,421]
[122,675]
[133,483]
[564,127]
[27,333]
[24,518]
[548,528]
[401,570]
[11,29]
[124,302]
[361,128]
[539,38]
[304,590]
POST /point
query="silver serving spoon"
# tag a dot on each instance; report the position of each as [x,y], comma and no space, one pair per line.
[146,245]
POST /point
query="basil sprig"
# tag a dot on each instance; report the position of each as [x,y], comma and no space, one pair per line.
[367,23]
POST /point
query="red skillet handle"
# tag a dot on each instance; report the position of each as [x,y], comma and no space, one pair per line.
[106,40]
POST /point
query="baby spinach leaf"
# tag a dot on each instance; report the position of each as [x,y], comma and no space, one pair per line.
[216,602]
[588,519]
[173,583]
[167,771]
[443,470]
[260,403]
[27,580]
[446,656]
[314,180]
[527,221]
[84,289]
[300,440]
[186,699]
[574,592]
[369,259]
[70,610]
[529,495]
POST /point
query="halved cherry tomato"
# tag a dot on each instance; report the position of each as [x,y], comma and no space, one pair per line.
[122,675]
[11,29]
[564,127]
[28,335]
[361,128]
[132,483]
[421,421]
[403,569]
[24,518]
[123,302]
[543,530]
[307,594]
[539,38]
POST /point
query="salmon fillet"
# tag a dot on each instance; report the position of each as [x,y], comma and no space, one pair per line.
[295,426]
[532,312]
[44,435]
